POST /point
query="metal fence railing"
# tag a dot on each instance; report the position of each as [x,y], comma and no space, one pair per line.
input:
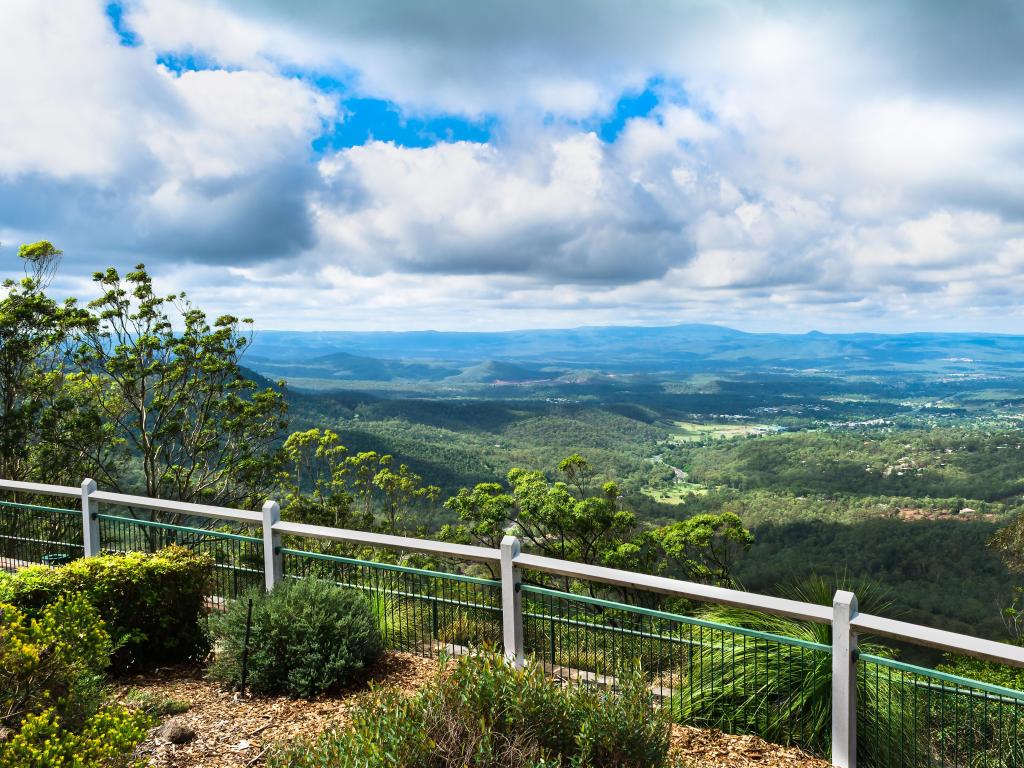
[33,533]
[702,670]
[827,697]
[237,558]
[918,717]
[418,611]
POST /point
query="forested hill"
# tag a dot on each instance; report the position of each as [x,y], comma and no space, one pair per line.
[432,355]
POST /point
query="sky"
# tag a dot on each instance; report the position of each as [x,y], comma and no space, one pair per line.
[772,166]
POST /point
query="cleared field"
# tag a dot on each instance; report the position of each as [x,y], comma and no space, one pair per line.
[676,493]
[693,431]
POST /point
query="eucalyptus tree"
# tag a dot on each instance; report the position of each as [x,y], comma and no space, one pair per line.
[321,484]
[579,520]
[173,396]
[48,427]
[315,482]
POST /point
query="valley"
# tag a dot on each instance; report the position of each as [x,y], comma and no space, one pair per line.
[890,459]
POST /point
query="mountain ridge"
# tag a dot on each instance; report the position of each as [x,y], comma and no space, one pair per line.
[685,348]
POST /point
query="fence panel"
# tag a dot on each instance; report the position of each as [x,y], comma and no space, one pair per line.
[738,680]
[912,717]
[419,611]
[237,559]
[708,674]
[32,534]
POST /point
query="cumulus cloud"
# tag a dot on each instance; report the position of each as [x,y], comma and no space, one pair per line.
[564,208]
[841,165]
[115,153]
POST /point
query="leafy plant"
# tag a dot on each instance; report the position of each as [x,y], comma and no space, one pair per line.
[152,604]
[402,622]
[51,690]
[306,636]
[483,713]
[782,691]
[55,661]
[105,740]
[988,727]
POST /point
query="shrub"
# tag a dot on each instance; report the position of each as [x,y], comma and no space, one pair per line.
[51,693]
[487,713]
[105,740]
[307,636]
[152,604]
[968,722]
[53,662]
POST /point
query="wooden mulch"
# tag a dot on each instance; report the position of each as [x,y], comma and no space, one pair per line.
[702,748]
[235,732]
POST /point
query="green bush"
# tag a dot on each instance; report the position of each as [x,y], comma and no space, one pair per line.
[486,713]
[307,636]
[985,671]
[51,690]
[966,722]
[783,692]
[107,739]
[152,604]
[55,661]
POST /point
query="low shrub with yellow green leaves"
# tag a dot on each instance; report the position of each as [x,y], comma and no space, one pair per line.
[51,691]
[107,739]
[55,661]
[152,604]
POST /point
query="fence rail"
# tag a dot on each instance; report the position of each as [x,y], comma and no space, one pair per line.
[882,712]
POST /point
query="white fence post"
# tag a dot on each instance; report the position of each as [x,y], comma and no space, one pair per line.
[272,559]
[511,601]
[844,681]
[90,520]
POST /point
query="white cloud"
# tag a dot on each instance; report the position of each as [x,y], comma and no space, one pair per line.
[806,164]
[72,102]
[561,207]
[109,152]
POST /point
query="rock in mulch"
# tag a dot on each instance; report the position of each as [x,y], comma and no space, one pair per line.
[175,731]
[708,748]
[229,731]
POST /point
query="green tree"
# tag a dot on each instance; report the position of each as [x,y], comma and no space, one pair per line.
[703,548]
[321,485]
[47,428]
[173,395]
[578,521]
[401,491]
[315,482]
[1008,543]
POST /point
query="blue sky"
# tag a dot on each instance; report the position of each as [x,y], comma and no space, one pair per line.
[772,166]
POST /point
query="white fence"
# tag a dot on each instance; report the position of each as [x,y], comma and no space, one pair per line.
[843,617]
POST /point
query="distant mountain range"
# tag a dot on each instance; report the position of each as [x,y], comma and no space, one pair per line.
[533,355]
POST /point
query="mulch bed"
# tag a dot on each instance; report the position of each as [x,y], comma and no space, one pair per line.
[702,748]
[232,731]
